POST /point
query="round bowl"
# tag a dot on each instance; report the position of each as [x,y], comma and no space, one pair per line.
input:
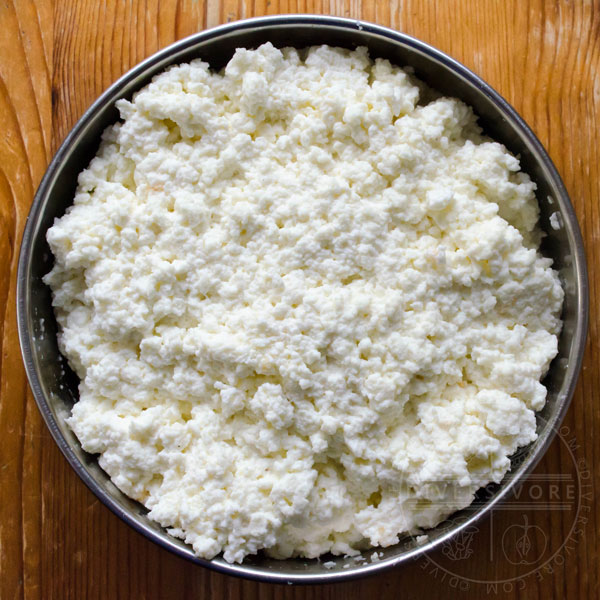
[55,386]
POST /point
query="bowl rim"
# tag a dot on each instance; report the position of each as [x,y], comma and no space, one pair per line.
[32,226]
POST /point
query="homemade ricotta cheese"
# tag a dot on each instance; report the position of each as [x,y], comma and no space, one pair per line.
[307,307]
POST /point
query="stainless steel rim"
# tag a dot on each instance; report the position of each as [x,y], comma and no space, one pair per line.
[163,56]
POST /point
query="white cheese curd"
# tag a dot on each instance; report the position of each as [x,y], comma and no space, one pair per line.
[307,309]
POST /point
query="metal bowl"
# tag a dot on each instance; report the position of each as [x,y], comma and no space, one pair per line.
[55,386]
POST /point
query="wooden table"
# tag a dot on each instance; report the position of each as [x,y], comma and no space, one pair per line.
[56,539]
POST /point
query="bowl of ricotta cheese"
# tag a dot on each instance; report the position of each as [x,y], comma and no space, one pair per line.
[293,293]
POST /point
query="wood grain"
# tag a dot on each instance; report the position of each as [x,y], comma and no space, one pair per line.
[56,539]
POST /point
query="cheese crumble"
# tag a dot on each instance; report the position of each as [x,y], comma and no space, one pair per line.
[307,307]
